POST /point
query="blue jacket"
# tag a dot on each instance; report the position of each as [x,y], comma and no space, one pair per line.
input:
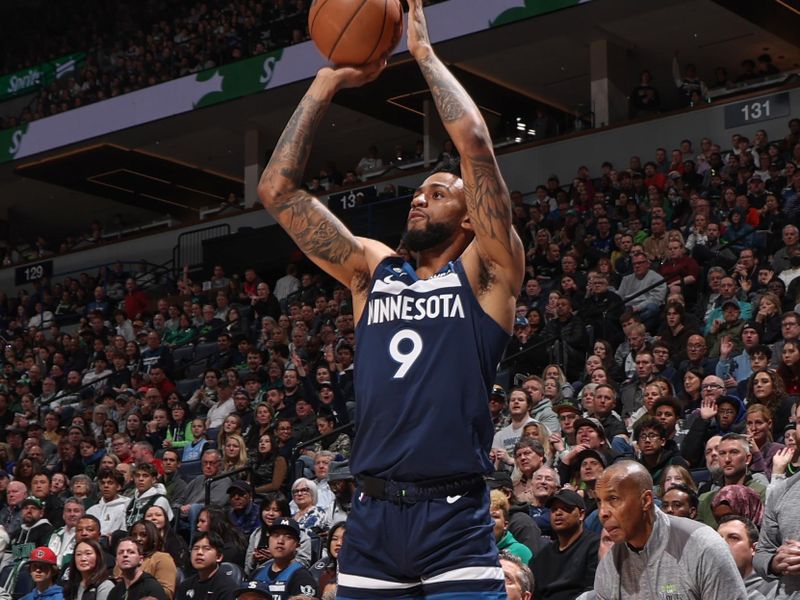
[54,592]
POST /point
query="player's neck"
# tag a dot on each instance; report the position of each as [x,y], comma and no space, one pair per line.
[431,262]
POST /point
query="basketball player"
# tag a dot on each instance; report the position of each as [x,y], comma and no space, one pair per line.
[428,343]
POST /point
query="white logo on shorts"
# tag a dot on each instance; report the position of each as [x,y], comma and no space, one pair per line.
[453,499]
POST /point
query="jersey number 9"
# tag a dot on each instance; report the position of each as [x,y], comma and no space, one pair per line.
[409,357]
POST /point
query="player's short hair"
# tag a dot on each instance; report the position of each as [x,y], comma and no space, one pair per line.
[452,169]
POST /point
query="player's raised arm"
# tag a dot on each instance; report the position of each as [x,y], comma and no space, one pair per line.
[488,202]
[318,233]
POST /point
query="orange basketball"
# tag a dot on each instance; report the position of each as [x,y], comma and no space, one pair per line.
[354,32]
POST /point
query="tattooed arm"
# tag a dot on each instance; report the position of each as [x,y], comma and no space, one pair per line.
[488,202]
[317,232]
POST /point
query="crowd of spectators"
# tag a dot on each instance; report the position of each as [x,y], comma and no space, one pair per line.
[658,322]
[133,45]
[647,99]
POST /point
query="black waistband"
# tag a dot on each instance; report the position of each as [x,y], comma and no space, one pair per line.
[414,491]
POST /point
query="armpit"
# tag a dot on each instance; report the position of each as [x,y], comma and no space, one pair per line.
[486,275]
[360,283]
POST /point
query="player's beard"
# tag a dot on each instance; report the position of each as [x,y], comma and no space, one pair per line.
[434,234]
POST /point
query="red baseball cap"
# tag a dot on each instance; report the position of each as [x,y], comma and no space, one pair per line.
[43,554]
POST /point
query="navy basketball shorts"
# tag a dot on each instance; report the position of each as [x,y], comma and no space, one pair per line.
[440,549]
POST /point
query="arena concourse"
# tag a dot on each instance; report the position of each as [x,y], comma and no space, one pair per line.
[178,380]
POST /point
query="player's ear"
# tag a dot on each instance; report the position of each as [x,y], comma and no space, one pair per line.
[466,223]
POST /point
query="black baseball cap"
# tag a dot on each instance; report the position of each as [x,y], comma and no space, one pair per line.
[241,486]
[567,497]
[499,479]
[498,391]
[256,587]
[286,524]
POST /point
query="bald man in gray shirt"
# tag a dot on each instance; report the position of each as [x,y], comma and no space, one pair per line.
[655,555]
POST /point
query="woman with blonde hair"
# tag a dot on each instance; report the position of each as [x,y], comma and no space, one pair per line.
[234,454]
[759,433]
[674,474]
[553,371]
[231,425]
[539,431]
[768,315]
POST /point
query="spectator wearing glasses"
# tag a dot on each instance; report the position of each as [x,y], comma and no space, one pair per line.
[189,504]
[697,356]
[656,450]
[707,421]
[308,515]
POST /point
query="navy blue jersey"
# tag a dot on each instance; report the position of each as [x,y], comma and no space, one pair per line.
[426,356]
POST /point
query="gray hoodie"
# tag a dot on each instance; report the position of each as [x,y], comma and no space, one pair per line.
[682,559]
[781,522]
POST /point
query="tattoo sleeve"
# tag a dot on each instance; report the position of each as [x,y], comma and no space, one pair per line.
[318,233]
[294,146]
[487,201]
[488,204]
[449,96]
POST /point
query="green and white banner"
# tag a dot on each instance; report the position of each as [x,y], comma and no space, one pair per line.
[33,79]
[446,21]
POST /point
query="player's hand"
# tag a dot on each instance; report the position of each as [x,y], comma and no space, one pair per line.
[708,409]
[418,39]
[353,77]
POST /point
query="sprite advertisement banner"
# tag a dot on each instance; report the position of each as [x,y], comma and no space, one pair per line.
[35,78]
[241,78]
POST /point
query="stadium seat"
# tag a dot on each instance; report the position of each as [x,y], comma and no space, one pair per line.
[189,470]
[196,369]
[187,387]
[206,350]
[182,357]
[233,571]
